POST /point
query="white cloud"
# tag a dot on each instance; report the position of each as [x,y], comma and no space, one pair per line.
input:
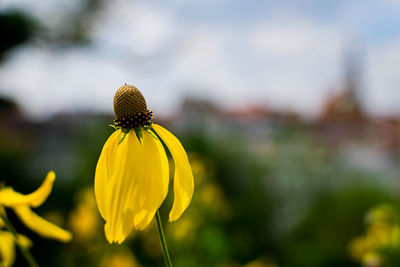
[293,70]
[382,77]
[298,62]
[273,38]
[288,66]
[45,82]
[134,27]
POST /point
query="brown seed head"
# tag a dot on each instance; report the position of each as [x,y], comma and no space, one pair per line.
[128,102]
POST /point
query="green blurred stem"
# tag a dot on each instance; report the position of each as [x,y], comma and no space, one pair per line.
[25,252]
[167,259]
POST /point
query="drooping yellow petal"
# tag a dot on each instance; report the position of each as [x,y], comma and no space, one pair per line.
[183,177]
[104,170]
[125,192]
[7,249]
[10,198]
[156,179]
[40,225]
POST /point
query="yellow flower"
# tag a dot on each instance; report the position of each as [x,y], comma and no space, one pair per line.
[132,173]
[84,220]
[372,260]
[121,258]
[7,247]
[21,204]
[261,262]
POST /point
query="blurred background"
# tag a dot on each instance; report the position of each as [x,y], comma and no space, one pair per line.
[289,111]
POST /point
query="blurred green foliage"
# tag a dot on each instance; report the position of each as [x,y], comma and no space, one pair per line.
[283,199]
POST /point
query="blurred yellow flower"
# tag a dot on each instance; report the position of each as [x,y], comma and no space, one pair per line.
[382,234]
[261,262]
[7,247]
[123,258]
[382,214]
[22,204]
[132,173]
[84,218]
[358,247]
[199,168]
[185,229]
[372,260]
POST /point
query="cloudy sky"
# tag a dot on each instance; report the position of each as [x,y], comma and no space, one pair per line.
[287,55]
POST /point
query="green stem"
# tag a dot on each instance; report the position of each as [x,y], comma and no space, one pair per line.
[25,252]
[167,259]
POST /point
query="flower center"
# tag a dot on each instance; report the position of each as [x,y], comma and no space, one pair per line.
[130,108]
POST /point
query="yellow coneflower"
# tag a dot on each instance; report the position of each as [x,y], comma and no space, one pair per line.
[22,204]
[132,174]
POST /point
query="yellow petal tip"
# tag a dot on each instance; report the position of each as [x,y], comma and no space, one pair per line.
[51,176]
[65,237]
